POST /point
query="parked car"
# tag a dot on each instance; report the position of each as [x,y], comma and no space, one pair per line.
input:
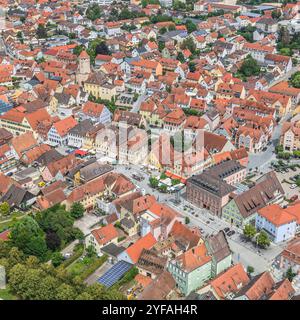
[226,229]
[294,198]
[293,186]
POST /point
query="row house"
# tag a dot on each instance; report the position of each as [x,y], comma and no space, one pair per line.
[257,51]
[58,134]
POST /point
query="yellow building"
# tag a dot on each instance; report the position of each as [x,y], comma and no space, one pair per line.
[99,86]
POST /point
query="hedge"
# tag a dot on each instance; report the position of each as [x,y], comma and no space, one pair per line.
[78,253]
[93,267]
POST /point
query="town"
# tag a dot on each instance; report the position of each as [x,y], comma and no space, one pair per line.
[149,150]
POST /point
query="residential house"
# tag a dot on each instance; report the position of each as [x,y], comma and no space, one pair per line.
[242,208]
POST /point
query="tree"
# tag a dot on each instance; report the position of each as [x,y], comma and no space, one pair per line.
[295,79]
[250,270]
[57,259]
[284,36]
[102,48]
[190,26]
[58,220]
[180,57]
[27,235]
[192,66]
[290,274]
[187,220]
[90,251]
[249,231]
[4,209]
[263,239]
[78,49]
[65,292]
[52,240]
[163,30]
[286,51]
[249,67]
[189,44]
[161,46]
[153,182]
[77,210]
[41,32]
[93,12]
[163,188]
[276,14]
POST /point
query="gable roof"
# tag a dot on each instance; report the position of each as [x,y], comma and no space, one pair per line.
[135,250]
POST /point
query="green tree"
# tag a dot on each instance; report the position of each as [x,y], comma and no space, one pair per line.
[286,51]
[52,240]
[163,30]
[161,46]
[4,209]
[41,32]
[78,49]
[295,79]
[190,26]
[90,251]
[163,188]
[77,210]
[290,274]
[263,239]
[180,57]
[187,220]
[249,67]
[276,14]
[65,292]
[27,235]
[58,220]
[57,259]
[250,270]
[153,182]
[93,12]
[192,66]
[249,231]
[189,44]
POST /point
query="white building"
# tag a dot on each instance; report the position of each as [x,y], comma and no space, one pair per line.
[279,224]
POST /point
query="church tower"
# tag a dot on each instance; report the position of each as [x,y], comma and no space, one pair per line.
[84,68]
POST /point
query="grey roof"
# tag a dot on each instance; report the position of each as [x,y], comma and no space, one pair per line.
[48,157]
[225,169]
[94,170]
[127,222]
[113,250]
[15,196]
[211,184]
[62,98]
[211,180]
[82,128]
[218,246]
[266,190]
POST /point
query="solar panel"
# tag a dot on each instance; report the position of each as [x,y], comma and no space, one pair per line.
[115,273]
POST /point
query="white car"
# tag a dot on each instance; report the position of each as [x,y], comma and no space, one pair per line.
[293,186]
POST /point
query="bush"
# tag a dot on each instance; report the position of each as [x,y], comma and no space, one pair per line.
[77,254]
[121,238]
[93,267]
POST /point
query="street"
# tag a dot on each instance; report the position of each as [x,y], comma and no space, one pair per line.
[243,252]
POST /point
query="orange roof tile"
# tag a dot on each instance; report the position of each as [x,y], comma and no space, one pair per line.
[135,250]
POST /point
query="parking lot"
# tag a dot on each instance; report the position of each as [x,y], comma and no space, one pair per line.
[86,223]
[289,187]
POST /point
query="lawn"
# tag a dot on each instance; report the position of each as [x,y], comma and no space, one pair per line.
[86,266]
[5,294]
[12,219]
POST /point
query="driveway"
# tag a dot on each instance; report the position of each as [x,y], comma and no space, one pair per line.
[86,223]
[70,247]
[98,273]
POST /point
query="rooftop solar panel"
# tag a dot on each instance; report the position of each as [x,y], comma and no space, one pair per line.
[115,273]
